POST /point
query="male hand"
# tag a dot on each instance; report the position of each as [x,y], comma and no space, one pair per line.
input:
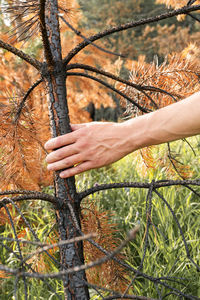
[88,146]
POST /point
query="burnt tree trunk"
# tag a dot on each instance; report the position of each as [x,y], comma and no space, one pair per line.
[54,73]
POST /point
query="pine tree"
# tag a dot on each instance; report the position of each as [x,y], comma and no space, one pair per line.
[23,125]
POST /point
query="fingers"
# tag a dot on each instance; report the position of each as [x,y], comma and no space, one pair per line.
[65,163]
[61,154]
[60,141]
[85,166]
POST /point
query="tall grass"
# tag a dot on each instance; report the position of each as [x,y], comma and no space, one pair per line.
[165,255]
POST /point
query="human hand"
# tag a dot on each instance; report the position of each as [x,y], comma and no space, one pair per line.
[88,146]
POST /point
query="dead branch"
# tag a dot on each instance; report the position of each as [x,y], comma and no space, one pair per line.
[32,61]
[170,14]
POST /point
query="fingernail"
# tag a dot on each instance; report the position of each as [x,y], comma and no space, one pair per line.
[47,159]
[47,144]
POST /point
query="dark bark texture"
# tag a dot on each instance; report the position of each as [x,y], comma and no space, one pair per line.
[55,76]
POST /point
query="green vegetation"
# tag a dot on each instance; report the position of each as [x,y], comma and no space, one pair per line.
[165,256]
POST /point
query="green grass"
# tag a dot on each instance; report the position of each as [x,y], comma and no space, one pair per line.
[165,256]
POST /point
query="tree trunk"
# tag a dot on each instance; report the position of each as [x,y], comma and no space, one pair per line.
[75,285]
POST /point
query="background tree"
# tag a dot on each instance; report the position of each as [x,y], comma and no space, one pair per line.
[24,129]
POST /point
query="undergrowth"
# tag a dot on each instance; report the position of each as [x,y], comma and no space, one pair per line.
[165,254]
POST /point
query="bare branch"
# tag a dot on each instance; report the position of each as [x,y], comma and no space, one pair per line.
[28,265]
[170,14]
[43,30]
[157,184]
[61,243]
[190,2]
[87,40]
[21,105]
[30,197]
[187,142]
[138,87]
[12,192]
[131,235]
[145,110]
[194,17]
[32,61]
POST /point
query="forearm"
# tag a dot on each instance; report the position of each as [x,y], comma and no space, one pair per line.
[97,144]
[173,122]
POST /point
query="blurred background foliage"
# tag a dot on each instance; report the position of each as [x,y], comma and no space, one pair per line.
[161,38]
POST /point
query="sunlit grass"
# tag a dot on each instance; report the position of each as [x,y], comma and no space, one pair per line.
[165,255]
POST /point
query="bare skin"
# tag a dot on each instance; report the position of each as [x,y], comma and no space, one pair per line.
[97,144]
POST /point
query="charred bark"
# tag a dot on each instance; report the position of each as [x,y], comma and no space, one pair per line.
[55,76]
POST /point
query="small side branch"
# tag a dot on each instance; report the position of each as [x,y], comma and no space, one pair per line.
[32,61]
[21,105]
[180,229]
[77,32]
[59,244]
[131,235]
[43,30]
[194,17]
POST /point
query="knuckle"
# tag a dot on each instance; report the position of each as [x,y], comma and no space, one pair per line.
[58,141]
[66,163]
[79,168]
[58,154]
[83,144]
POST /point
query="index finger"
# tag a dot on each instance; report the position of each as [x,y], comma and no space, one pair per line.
[60,141]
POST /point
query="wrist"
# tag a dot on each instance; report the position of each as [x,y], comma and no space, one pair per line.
[136,133]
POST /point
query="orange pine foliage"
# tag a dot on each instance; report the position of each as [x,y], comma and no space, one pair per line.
[175,3]
[3,274]
[110,274]
[21,142]
[179,76]
[167,38]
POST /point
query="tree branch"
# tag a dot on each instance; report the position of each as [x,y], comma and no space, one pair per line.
[117,78]
[131,235]
[170,14]
[61,243]
[21,105]
[145,110]
[194,17]
[77,32]
[34,196]
[32,61]
[43,31]
[157,184]
[28,265]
